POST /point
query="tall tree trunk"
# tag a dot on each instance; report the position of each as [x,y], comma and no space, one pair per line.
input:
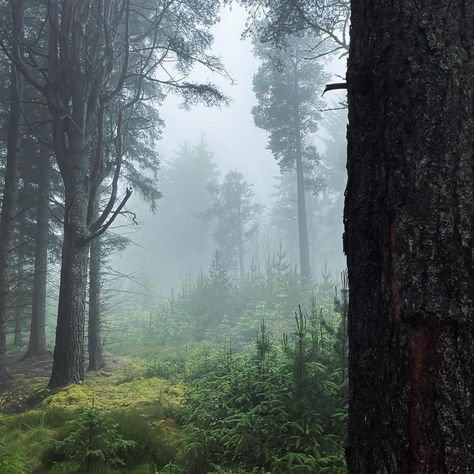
[68,363]
[409,237]
[70,147]
[37,343]
[303,239]
[96,359]
[7,218]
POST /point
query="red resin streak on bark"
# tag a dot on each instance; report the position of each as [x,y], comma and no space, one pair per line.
[393,274]
[420,361]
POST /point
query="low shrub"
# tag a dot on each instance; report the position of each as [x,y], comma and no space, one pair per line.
[90,442]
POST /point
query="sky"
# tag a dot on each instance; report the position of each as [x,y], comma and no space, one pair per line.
[229,130]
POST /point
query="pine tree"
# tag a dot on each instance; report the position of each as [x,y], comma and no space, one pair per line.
[288,87]
[234,212]
[187,245]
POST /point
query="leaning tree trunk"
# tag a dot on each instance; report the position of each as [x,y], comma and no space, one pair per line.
[37,343]
[410,236]
[96,359]
[68,362]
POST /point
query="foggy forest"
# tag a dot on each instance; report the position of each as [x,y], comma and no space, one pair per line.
[237,236]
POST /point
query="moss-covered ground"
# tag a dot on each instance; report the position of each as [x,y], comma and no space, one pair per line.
[143,407]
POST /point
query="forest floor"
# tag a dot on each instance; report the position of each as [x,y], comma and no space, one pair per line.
[32,416]
[22,368]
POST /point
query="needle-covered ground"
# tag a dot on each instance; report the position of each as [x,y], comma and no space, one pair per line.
[141,409]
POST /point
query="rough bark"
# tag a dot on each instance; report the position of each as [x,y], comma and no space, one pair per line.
[37,342]
[96,359]
[68,360]
[70,148]
[409,236]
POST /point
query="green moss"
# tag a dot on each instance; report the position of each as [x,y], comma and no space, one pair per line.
[143,408]
[120,387]
[71,396]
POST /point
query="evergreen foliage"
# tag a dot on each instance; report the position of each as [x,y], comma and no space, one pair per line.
[234,212]
[91,442]
[278,410]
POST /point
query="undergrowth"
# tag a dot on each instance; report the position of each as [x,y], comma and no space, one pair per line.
[207,387]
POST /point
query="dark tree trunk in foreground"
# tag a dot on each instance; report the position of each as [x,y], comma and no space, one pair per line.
[37,344]
[96,359]
[410,237]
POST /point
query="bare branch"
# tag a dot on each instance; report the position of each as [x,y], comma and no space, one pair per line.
[102,229]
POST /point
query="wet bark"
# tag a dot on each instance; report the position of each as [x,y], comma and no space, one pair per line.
[409,237]
[37,342]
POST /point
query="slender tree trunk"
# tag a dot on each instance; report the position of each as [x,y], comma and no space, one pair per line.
[68,363]
[7,218]
[305,267]
[96,359]
[20,275]
[18,340]
[37,343]
[241,248]
[409,237]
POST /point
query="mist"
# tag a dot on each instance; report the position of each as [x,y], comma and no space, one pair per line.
[236,144]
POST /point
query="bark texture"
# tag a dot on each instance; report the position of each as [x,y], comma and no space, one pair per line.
[68,361]
[70,148]
[410,236]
